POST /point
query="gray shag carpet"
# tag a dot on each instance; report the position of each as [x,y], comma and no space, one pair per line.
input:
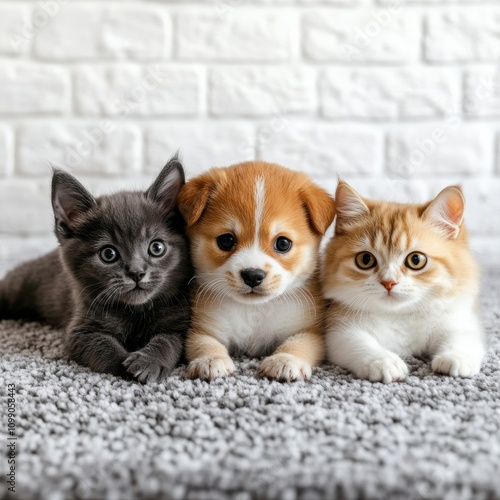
[87,436]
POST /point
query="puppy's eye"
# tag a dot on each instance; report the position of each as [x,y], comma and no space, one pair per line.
[109,255]
[282,244]
[157,248]
[226,242]
[365,260]
[416,261]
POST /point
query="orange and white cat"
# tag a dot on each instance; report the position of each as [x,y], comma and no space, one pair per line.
[403,282]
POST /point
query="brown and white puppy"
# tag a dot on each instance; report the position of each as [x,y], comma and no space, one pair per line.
[255,230]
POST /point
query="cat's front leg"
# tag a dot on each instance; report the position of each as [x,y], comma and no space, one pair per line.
[361,353]
[156,360]
[460,352]
[100,352]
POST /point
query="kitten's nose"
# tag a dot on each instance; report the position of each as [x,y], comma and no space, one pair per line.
[137,275]
[389,285]
[253,277]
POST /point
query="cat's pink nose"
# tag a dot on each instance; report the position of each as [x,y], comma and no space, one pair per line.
[389,284]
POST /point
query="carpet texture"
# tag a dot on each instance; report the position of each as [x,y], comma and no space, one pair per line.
[84,435]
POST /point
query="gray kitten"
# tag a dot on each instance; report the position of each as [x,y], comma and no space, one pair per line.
[118,283]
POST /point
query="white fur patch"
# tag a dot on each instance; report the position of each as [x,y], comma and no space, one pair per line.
[260,195]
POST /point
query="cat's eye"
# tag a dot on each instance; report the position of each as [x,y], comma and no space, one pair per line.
[365,260]
[157,248]
[282,244]
[416,261]
[109,255]
[226,242]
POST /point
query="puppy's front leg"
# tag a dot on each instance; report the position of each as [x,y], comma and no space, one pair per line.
[208,358]
[293,359]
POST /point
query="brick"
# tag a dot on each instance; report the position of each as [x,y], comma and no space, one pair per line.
[202,145]
[137,90]
[242,35]
[482,93]
[261,91]
[486,250]
[28,206]
[388,93]
[321,150]
[29,88]
[89,32]
[17,249]
[96,148]
[389,35]
[5,152]
[463,34]
[431,2]
[16,29]
[449,148]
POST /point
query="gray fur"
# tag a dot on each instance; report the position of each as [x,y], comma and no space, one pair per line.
[112,325]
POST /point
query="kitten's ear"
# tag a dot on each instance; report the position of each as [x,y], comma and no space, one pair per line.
[167,185]
[320,207]
[194,196]
[446,211]
[350,206]
[70,201]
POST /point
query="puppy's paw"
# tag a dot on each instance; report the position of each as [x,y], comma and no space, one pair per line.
[209,367]
[284,366]
[387,369]
[144,367]
[456,365]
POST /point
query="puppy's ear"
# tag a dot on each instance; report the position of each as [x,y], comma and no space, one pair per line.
[320,207]
[194,196]
[70,202]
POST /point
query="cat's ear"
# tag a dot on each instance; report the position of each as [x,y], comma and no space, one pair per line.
[167,185]
[350,206]
[446,211]
[320,208]
[70,201]
[194,196]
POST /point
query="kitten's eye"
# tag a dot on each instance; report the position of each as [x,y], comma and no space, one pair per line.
[109,255]
[365,260]
[282,244]
[416,261]
[226,242]
[157,248]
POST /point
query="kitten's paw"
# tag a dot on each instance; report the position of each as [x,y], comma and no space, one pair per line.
[284,366]
[145,368]
[208,368]
[456,365]
[390,368]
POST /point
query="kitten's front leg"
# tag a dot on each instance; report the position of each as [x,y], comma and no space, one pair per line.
[100,352]
[156,359]
[359,352]
[459,352]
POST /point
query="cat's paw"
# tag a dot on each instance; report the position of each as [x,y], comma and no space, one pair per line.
[284,366]
[144,367]
[390,368]
[456,365]
[208,368]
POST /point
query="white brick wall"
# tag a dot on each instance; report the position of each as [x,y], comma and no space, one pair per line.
[398,97]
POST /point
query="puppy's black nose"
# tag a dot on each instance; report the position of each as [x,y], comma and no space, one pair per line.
[253,277]
[137,275]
